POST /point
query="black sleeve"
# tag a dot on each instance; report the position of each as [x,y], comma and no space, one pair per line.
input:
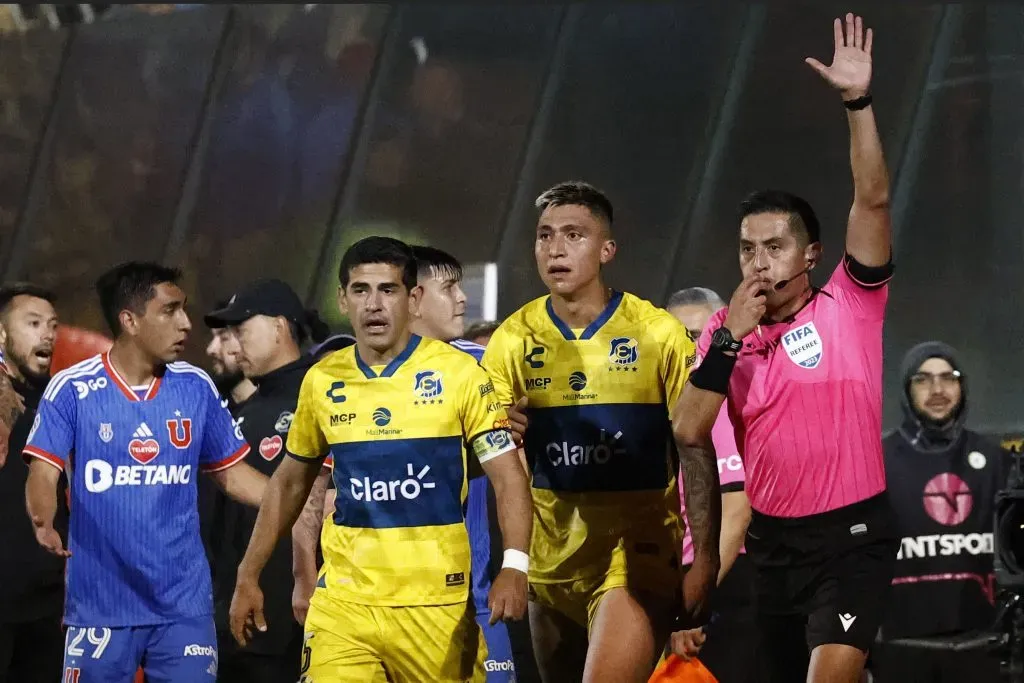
[868,276]
[732,487]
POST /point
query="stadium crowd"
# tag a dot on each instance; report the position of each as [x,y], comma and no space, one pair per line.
[596,489]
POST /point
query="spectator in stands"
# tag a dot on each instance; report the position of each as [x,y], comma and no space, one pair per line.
[942,480]
[31,579]
[480,332]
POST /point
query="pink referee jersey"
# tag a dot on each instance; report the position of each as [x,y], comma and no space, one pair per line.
[730,471]
[805,398]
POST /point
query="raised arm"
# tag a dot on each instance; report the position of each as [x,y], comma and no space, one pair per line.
[869,231]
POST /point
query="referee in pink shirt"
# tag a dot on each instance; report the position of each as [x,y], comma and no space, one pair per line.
[802,370]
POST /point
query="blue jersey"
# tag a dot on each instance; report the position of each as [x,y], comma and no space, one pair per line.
[478,515]
[132,456]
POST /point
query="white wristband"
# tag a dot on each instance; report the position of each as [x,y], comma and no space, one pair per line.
[516,559]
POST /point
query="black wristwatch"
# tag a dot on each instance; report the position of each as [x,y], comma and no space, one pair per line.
[722,339]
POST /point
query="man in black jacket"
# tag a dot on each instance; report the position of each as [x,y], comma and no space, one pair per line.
[31,579]
[942,480]
[269,325]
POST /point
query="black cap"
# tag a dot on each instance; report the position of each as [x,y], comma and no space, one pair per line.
[262,297]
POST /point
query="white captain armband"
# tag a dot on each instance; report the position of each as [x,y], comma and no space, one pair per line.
[492,444]
[516,559]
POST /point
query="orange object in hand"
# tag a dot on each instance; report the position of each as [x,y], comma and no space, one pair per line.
[675,670]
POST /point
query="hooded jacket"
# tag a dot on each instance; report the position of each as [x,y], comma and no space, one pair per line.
[942,481]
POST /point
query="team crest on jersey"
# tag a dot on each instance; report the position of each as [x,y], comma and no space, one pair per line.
[179,430]
[271,447]
[106,432]
[284,422]
[428,386]
[803,345]
[624,352]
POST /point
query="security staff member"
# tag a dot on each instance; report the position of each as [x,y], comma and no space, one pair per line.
[268,323]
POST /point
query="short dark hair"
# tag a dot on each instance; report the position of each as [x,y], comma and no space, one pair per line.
[9,292]
[802,219]
[482,328]
[433,262]
[130,286]
[577,192]
[378,249]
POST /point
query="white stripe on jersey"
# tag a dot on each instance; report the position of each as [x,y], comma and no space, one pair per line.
[90,366]
[182,367]
[466,345]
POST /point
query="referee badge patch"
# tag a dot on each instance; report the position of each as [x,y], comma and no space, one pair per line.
[803,345]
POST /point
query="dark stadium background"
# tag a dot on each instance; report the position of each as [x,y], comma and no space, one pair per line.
[262,140]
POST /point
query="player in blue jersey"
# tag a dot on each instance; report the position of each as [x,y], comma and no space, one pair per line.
[132,428]
[441,315]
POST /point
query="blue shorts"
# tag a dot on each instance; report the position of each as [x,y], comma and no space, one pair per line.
[499,666]
[183,650]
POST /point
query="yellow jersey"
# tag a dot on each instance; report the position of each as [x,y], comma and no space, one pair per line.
[398,436]
[599,440]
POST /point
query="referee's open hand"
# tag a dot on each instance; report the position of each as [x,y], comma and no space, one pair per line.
[246,613]
[747,306]
[507,599]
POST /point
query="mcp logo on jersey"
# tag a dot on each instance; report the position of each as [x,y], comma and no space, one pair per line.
[335,393]
[428,385]
[623,351]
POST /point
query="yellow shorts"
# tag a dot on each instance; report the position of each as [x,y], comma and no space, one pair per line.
[346,641]
[579,598]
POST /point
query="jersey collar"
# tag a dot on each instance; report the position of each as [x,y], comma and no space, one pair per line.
[592,328]
[395,363]
[126,389]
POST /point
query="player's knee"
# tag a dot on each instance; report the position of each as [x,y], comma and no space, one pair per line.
[836,663]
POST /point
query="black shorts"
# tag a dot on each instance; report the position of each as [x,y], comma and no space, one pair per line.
[821,579]
[734,629]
